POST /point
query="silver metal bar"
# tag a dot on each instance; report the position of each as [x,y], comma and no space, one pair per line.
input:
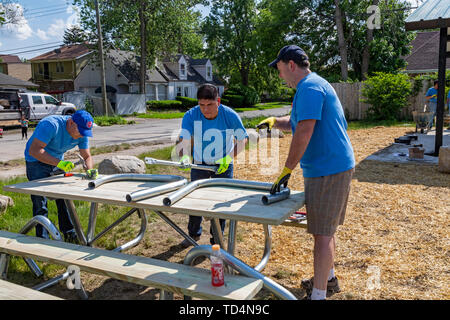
[149,160]
[139,237]
[272,198]
[151,192]
[235,263]
[51,229]
[51,282]
[133,177]
[177,229]
[92,222]
[182,192]
[112,225]
[165,295]
[76,222]
[267,248]
[217,232]
[4,264]
[232,229]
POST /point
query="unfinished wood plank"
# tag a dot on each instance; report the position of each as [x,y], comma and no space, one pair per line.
[12,291]
[217,202]
[149,272]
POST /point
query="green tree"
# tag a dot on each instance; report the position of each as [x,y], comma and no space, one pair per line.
[74,35]
[230,36]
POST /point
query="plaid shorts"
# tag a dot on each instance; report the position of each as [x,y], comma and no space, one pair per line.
[326,202]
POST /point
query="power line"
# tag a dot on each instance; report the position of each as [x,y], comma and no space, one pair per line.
[48,14]
[55,46]
[46,10]
[38,45]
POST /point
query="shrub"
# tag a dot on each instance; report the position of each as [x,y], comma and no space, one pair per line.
[187,103]
[164,104]
[249,94]
[234,100]
[387,94]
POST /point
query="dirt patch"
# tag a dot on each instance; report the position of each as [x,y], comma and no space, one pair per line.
[394,243]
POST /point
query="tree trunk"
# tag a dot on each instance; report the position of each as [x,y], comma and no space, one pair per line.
[341,41]
[366,52]
[143,47]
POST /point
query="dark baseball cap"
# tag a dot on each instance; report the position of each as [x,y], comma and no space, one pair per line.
[290,52]
[84,121]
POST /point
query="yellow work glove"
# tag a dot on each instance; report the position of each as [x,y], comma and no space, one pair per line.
[65,165]
[282,180]
[224,163]
[92,174]
[266,123]
[185,161]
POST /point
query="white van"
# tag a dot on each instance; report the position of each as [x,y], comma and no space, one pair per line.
[42,105]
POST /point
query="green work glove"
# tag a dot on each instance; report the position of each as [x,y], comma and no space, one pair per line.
[185,161]
[65,165]
[92,174]
[224,163]
[268,123]
[282,180]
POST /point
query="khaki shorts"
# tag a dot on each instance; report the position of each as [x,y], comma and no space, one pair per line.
[326,202]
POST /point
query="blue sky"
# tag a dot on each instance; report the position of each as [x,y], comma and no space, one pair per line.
[42,28]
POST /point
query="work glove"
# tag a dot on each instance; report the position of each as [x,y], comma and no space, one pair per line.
[185,161]
[282,180]
[65,165]
[92,174]
[266,123]
[224,163]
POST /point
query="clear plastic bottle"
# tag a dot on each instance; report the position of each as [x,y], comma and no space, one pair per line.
[217,274]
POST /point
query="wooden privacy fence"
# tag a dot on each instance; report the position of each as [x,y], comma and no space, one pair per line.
[350,94]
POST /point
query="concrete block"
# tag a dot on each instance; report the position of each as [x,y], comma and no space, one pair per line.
[444,159]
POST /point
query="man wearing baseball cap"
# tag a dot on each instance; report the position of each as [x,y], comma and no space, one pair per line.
[321,144]
[44,153]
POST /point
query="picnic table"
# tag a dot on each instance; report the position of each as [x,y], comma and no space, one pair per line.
[214,202]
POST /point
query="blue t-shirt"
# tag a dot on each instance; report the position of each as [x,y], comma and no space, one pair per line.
[213,139]
[329,150]
[431,92]
[52,131]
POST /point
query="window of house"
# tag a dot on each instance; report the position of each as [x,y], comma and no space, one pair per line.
[41,70]
[182,69]
[37,99]
[60,67]
[186,91]
[178,91]
[208,72]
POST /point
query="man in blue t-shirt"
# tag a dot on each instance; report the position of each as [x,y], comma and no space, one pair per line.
[431,98]
[44,153]
[321,144]
[214,134]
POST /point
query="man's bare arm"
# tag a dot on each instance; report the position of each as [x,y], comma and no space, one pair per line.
[38,152]
[300,141]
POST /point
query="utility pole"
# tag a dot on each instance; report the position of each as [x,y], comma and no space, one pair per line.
[102,62]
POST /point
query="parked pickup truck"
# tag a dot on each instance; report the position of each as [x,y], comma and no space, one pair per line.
[34,105]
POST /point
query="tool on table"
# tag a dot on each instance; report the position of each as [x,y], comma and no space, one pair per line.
[57,171]
[149,160]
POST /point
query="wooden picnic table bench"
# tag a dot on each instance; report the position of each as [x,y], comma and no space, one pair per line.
[167,276]
[12,291]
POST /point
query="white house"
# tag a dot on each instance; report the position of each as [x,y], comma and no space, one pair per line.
[179,75]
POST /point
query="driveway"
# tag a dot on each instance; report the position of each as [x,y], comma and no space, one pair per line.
[148,131]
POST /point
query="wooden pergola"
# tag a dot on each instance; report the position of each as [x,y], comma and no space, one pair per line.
[434,14]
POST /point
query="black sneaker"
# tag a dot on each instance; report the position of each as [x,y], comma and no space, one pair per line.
[71,237]
[332,286]
[186,243]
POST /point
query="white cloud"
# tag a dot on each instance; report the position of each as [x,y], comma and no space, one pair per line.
[42,34]
[20,29]
[56,29]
